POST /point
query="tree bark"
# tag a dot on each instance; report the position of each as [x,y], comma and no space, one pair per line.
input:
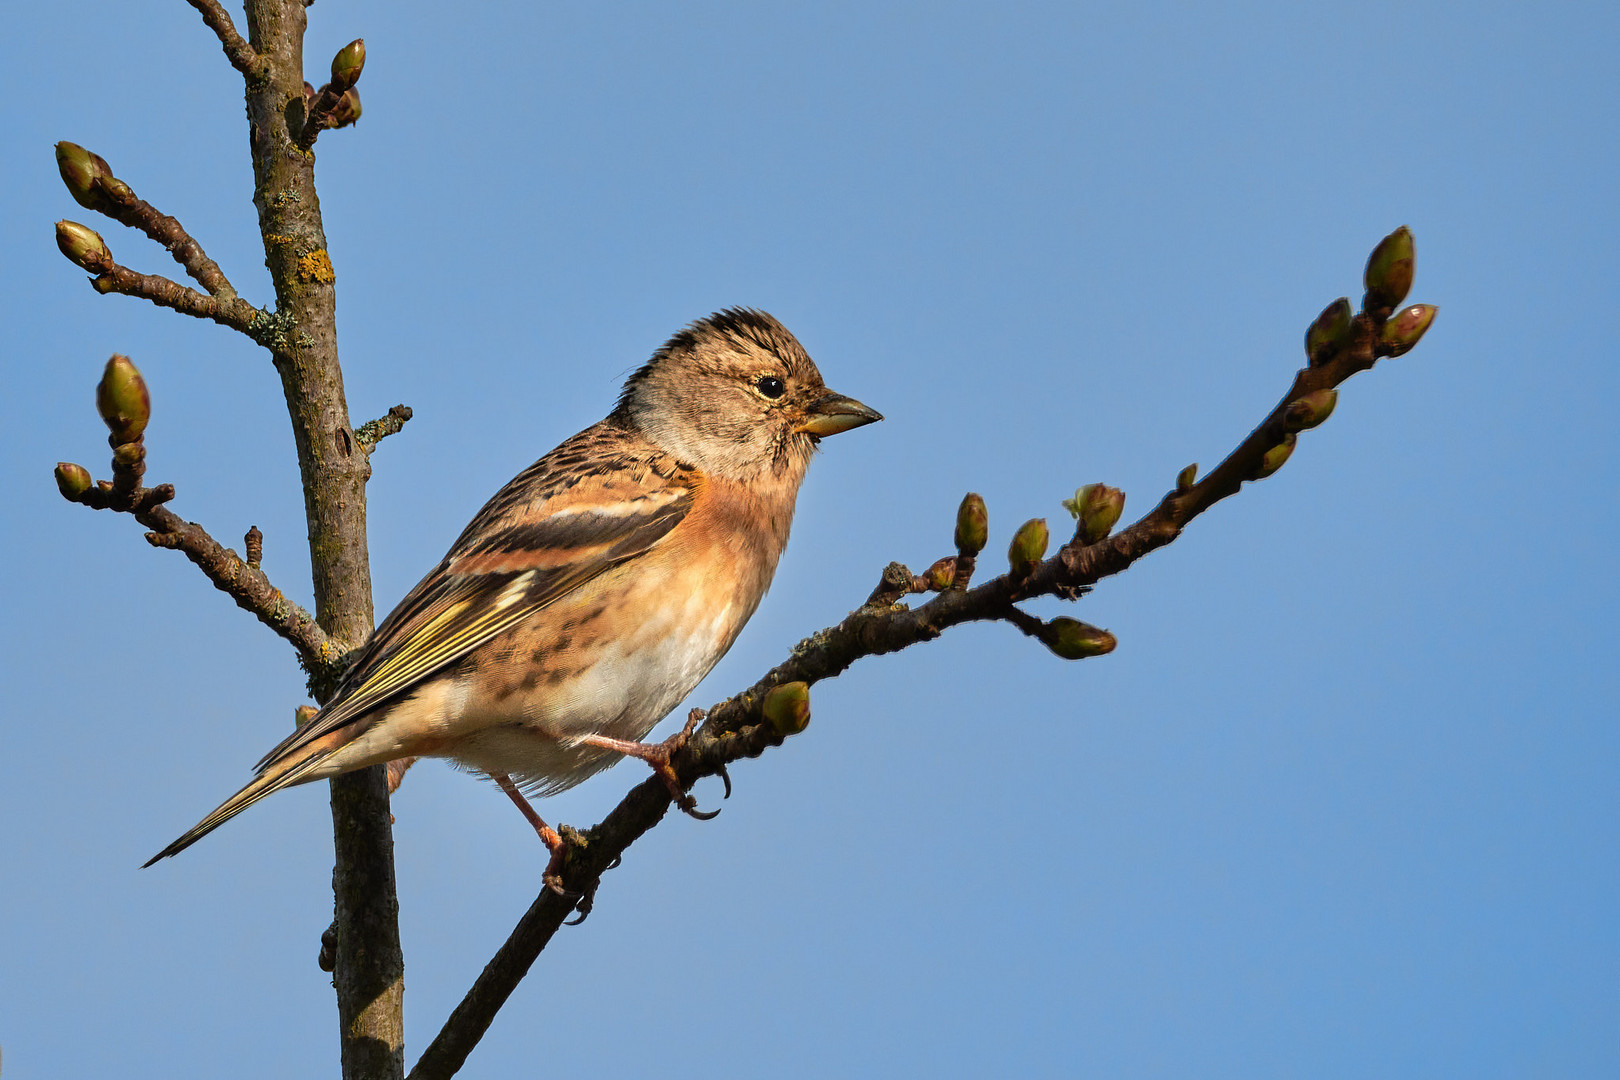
[302,336]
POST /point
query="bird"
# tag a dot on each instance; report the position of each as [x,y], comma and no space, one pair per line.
[594,591]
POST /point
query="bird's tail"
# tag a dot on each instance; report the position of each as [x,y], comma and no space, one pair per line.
[274,777]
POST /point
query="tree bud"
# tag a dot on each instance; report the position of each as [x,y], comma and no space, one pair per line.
[939,576]
[122,400]
[1330,330]
[1028,547]
[1389,270]
[72,480]
[1187,477]
[1276,456]
[1304,413]
[1075,640]
[80,170]
[84,247]
[1406,328]
[972,524]
[347,65]
[787,708]
[1097,508]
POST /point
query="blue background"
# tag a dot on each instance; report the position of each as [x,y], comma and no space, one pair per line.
[1344,801]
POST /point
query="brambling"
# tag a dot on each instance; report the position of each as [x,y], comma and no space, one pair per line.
[594,591]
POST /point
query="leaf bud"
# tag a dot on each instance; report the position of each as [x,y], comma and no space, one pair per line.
[80,170]
[1276,456]
[72,480]
[1389,270]
[1187,477]
[972,524]
[1075,640]
[939,576]
[1097,508]
[1406,328]
[1028,547]
[1330,330]
[84,247]
[787,708]
[347,65]
[1304,413]
[122,400]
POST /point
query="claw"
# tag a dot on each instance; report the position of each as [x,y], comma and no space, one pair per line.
[586,902]
[725,776]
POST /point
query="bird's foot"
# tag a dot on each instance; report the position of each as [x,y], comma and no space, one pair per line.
[659,755]
[551,877]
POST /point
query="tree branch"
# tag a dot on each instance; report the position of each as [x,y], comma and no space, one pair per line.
[241,55]
[372,432]
[241,580]
[738,727]
[233,312]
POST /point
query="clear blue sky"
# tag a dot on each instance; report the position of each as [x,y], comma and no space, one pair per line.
[1344,802]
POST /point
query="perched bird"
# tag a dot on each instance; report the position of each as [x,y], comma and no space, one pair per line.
[594,591]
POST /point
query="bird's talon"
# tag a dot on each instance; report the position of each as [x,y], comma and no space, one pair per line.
[726,777]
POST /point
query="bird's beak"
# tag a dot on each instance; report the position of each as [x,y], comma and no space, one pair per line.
[835,413]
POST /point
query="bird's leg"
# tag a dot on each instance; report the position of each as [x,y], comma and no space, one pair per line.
[658,755]
[548,836]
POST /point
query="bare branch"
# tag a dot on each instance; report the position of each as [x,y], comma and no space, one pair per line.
[372,432]
[234,312]
[242,581]
[241,55]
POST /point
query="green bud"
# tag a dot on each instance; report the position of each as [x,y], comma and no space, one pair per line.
[347,110]
[938,577]
[1330,330]
[80,170]
[1028,547]
[122,400]
[1075,640]
[1389,270]
[83,246]
[303,714]
[1187,477]
[347,65]
[972,524]
[72,480]
[1304,413]
[1097,508]
[1276,456]
[787,708]
[1406,328]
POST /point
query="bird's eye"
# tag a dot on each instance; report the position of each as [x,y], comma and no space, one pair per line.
[770,386]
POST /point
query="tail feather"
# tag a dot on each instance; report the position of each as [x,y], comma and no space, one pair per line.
[273,779]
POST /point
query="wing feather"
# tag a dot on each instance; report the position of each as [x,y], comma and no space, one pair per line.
[521,554]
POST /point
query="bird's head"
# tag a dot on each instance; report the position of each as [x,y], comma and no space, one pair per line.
[736,395]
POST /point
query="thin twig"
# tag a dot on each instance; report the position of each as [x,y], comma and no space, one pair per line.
[249,586]
[241,55]
[121,204]
[235,313]
[372,432]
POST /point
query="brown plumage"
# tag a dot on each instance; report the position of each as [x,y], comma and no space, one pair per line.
[592,593]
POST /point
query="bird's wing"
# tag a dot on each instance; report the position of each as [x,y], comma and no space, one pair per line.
[545,534]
